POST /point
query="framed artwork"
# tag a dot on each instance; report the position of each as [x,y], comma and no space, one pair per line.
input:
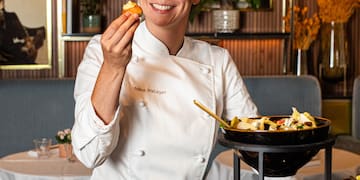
[27,34]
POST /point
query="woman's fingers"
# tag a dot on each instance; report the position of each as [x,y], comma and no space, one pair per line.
[118,32]
[116,40]
[126,38]
[114,26]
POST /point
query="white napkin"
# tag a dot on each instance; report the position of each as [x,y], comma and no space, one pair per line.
[32,153]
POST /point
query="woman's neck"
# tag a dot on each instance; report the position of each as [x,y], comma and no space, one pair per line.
[172,37]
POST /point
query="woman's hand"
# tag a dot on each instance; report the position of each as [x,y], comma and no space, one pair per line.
[116,41]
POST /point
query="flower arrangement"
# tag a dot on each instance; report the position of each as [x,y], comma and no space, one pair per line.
[305,28]
[63,136]
[337,10]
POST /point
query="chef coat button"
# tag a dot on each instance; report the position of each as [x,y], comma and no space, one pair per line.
[142,104]
[140,153]
[205,70]
[136,60]
[202,159]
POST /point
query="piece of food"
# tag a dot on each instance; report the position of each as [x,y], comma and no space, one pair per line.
[132,7]
[234,122]
[296,121]
[244,126]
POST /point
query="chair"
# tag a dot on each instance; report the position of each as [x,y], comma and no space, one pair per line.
[275,95]
[352,142]
[356,109]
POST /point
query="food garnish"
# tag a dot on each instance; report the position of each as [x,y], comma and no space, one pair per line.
[297,121]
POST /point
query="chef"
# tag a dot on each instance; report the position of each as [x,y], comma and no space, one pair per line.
[134,92]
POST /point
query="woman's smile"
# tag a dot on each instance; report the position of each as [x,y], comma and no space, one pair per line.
[161,7]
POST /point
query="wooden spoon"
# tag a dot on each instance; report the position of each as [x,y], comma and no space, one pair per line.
[221,121]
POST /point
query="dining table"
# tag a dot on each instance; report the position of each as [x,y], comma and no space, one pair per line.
[27,166]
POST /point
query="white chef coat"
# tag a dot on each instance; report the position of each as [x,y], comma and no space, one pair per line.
[157,132]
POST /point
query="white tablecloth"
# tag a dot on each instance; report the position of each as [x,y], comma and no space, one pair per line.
[344,165]
[21,166]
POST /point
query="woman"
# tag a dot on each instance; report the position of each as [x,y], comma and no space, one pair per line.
[134,92]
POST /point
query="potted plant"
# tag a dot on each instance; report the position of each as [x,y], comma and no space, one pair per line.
[209,5]
[225,15]
[91,15]
[63,138]
[204,5]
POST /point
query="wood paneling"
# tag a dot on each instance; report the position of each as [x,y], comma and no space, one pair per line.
[250,21]
[253,57]
[256,57]
[73,54]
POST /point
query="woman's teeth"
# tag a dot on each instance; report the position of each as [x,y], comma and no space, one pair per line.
[161,7]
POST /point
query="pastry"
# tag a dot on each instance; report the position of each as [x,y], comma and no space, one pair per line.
[132,7]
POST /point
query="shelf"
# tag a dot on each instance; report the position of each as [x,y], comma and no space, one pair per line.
[77,36]
[239,35]
[236,35]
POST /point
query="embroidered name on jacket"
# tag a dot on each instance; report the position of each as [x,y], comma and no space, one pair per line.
[149,90]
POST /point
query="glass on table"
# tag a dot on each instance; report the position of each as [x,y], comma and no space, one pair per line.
[42,147]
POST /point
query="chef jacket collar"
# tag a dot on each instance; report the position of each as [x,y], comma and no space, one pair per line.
[150,44]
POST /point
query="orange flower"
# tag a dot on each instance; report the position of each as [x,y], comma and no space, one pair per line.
[337,10]
[305,29]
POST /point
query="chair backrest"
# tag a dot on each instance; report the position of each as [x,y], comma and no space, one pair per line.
[275,95]
[33,109]
[356,109]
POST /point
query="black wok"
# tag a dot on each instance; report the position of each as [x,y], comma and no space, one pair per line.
[280,164]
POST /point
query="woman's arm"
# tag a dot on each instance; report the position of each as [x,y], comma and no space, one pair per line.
[98,84]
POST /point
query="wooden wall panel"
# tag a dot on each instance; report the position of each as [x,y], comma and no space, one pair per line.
[253,57]
[263,21]
[256,57]
[250,21]
[73,54]
[264,57]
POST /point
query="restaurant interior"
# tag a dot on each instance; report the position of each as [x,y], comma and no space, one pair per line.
[317,70]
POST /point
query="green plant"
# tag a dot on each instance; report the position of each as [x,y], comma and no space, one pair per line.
[254,3]
[208,5]
[90,7]
[201,7]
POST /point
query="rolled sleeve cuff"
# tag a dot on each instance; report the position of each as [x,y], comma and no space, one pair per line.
[98,125]
[95,126]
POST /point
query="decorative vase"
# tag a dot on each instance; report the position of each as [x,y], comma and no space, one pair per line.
[301,62]
[65,150]
[333,51]
[226,19]
[92,23]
